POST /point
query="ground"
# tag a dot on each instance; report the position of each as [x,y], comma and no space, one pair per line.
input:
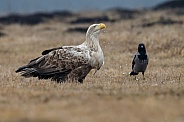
[109,95]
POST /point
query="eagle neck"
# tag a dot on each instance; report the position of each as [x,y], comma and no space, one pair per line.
[92,41]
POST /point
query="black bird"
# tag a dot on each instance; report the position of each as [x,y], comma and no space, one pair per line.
[140,61]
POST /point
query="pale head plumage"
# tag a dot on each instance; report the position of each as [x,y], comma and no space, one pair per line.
[92,42]
[92,35]
[95,29]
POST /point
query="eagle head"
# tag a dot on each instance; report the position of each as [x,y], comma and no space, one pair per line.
[95,29]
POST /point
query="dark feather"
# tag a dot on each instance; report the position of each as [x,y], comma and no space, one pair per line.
[33,60]
[49,50]
[21,68]
[133,63]
[58,66]
[140,61]
[142,57]
[133,73]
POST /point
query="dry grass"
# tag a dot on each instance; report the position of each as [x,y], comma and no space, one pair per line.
[110,95]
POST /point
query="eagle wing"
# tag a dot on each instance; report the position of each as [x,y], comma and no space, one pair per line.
[49,50]
[58,64]
[64,58]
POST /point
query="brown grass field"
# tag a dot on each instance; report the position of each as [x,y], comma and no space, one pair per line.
[110,95]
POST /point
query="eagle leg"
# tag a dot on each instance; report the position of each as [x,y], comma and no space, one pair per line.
[79,73]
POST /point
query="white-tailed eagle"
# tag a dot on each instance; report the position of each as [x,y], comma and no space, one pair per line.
[71,63]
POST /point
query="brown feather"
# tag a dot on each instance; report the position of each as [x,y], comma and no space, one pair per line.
[68,62]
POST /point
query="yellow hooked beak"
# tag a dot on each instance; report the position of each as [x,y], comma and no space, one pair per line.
[99,27]
[102,26]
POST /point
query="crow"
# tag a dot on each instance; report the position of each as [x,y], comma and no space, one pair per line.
[140,61]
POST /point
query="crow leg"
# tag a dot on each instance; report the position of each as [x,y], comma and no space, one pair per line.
[143,75]
[135,78]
